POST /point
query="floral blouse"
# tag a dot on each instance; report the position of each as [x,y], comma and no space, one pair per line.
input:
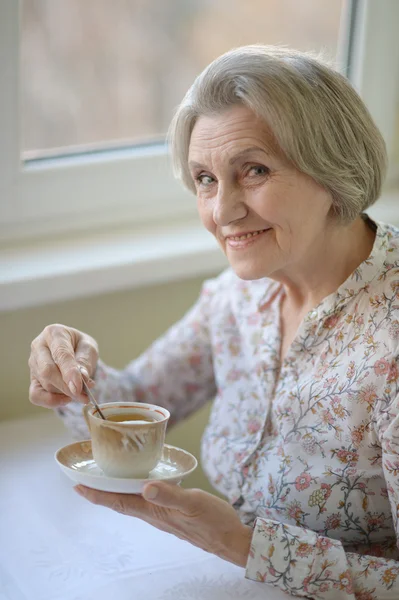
[307,451]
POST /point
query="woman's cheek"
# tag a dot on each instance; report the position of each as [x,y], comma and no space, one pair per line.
[205,212]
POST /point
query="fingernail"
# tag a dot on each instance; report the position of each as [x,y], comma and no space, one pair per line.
[151,493]
[84,372]
[79,490]
[73,388]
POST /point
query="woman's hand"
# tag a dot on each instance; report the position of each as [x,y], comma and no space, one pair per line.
[193,515]
[56,355]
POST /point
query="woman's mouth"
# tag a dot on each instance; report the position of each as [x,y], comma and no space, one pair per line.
[245,240]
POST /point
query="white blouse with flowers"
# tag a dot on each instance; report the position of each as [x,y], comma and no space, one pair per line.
[307,451]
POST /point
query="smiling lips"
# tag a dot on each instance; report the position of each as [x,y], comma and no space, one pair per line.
[244,236]
[240,241]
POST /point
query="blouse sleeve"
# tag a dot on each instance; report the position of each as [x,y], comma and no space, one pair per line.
[303,563]
[175,372]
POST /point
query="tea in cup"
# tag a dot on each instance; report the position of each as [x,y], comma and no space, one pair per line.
[129,442]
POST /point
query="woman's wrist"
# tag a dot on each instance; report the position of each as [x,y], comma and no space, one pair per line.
[237,549]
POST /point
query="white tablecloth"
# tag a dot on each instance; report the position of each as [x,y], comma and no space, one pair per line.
[54,545]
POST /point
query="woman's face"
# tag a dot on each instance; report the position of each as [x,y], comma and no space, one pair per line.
[266,215]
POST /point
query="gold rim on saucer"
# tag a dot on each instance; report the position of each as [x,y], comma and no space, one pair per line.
[76,460]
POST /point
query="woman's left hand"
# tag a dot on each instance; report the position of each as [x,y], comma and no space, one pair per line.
[191,514]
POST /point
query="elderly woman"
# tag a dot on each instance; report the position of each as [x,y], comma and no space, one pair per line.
[297,342]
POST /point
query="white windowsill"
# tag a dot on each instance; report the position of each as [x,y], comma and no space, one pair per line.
[95,263]
[91,264]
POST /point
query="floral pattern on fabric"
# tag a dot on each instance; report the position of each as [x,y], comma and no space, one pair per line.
[307,450]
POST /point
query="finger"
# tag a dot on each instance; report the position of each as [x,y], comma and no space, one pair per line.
[89,384]
[171,496]
[86,356]
[86,379]
[48,387]
[41,397]
[48,373]
[44,381]
[126,504]
[61,346]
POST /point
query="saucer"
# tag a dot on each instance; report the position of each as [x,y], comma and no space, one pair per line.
[76,460]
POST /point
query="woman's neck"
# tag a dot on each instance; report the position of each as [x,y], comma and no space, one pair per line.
[341,251]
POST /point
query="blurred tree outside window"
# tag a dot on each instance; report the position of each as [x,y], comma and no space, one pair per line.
[101,74]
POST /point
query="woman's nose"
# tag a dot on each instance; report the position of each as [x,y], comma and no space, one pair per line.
[229,206]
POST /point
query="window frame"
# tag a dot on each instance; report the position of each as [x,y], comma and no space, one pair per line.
[369,54]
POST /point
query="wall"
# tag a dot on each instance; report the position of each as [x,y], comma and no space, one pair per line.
[123,323]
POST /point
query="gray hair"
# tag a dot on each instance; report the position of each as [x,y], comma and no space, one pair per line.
[316,118]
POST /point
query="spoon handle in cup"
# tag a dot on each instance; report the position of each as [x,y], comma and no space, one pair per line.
[91,396]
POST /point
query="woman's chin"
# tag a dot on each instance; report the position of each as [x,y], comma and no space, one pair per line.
[249,272]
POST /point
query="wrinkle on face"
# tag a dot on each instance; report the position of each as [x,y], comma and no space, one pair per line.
[290,202]
[210,142]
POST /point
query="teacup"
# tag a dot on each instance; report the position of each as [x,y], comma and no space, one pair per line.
[129,443]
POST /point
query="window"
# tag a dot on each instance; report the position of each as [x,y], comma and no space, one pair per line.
[101,74]
[98,85]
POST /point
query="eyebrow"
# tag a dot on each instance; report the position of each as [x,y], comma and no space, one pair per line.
[234,158]
[245,152]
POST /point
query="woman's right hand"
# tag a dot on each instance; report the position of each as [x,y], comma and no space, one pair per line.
[56,355]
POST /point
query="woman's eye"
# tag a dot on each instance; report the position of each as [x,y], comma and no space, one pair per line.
[258,170]
[204,179]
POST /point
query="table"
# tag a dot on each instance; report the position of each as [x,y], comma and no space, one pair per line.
[56,546]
